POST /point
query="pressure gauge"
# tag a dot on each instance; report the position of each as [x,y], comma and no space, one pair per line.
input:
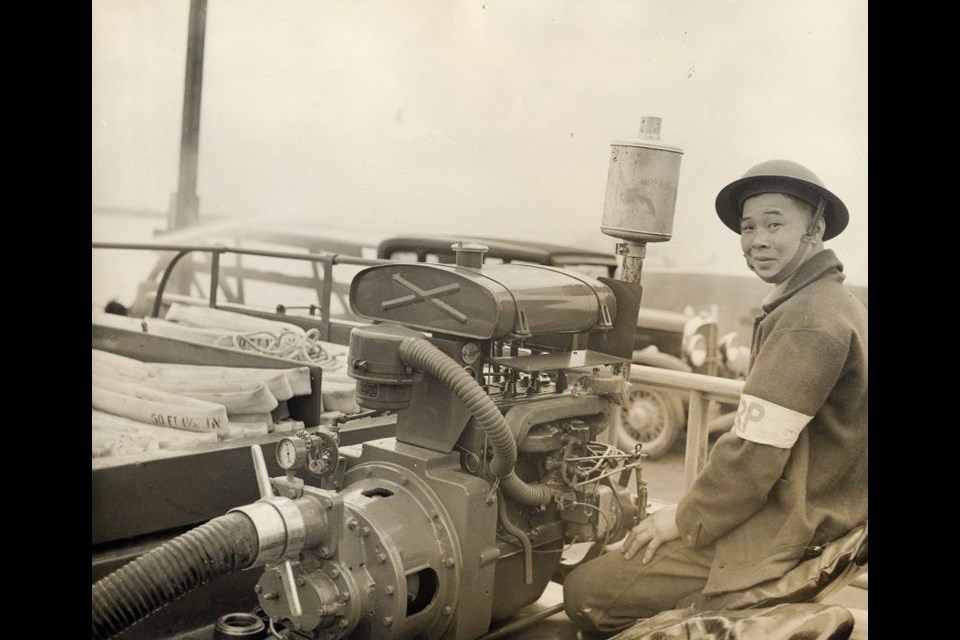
[291,453]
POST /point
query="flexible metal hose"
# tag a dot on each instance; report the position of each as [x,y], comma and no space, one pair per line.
[421,354]
[225,544]
[529,495]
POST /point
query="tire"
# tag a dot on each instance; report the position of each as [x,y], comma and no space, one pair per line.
[654,418]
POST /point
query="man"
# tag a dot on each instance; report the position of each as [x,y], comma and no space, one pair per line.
[791,475]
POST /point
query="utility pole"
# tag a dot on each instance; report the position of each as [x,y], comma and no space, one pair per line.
[185,205]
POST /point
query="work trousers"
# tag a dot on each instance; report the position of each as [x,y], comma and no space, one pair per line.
[608,594]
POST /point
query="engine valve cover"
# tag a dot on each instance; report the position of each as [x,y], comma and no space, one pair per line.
[492,302]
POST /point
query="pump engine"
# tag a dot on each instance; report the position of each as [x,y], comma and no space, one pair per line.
[503,378]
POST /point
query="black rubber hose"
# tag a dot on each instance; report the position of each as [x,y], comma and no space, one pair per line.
[421,354]
[223,545]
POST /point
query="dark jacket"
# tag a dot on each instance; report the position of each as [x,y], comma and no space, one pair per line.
[792,472]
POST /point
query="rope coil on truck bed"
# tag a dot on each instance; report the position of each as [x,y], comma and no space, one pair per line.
[303,347]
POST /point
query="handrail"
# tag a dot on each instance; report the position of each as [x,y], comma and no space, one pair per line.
[216,250]
[703,390]
[219,248]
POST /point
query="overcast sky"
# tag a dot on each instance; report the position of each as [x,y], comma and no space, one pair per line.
[481,116]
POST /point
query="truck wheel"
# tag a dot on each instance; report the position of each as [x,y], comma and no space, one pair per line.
[652,417]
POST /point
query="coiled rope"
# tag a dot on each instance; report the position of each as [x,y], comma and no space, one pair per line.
[292,345]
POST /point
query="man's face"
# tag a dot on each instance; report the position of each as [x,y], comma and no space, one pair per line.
[770,231]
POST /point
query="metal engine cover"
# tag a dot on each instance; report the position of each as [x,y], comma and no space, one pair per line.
[492,302]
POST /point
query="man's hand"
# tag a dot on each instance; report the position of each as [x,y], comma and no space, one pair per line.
[652,531]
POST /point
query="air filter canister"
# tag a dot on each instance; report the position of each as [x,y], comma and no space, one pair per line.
[641,186]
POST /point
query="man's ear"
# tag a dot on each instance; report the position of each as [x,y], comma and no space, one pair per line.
[816,234]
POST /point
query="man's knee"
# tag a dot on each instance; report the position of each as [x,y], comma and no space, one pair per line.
[580,598]
[574,592]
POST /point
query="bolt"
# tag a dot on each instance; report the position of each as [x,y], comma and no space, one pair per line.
[364,532]
[270,595]
[324,551]
[448,562]
[447,610]
[381,557]
[390,590]
[387,621]
[344,597]
[334,573]
[344,623]
[352,523]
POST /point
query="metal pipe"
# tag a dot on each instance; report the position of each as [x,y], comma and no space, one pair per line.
[214,277]
[311,257]
[726,388]
[633,254]
[187,203]
[158,300]
[523,623]
[695,454]
[520,535]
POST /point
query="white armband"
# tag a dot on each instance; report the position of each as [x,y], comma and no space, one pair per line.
[764,422]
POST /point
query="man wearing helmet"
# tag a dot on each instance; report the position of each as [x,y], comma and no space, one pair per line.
[791,475]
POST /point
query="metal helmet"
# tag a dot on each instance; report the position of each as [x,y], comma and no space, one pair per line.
[781,176]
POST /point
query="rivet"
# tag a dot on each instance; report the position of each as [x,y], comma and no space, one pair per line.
[387,621]
[447,610]
[390,590]
[448,562]
[344,623]
[352,524]
[381,557]
[364,531]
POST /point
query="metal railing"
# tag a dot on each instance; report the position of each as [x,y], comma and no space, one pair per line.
[703,391]
[326,260]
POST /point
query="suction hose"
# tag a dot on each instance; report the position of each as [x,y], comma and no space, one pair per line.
[421,354]
[223,545]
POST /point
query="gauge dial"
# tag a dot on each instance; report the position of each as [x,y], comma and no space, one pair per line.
[291,453]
